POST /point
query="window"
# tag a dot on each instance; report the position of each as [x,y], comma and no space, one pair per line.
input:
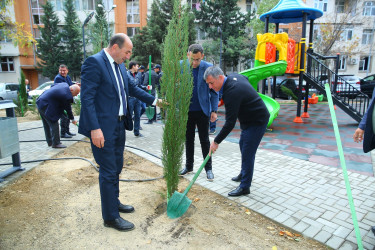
[346,35]
[88,4]
[195,4]
[201,35]
[132,31]
[321,5]
[132,11]
[369,8]
[340,6]
[4,37]
[36,33]
[7,64]
[342,62]
[248,5]
[363,63]
[37,10]
[367,37]
[281,30]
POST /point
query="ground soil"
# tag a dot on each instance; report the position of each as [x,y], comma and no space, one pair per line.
[57,206]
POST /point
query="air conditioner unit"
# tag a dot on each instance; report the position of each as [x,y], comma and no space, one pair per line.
[353,61]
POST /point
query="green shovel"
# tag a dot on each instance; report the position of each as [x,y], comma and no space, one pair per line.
[150,111]
[179,203]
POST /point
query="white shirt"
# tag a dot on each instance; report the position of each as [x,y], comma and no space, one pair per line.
[111,61]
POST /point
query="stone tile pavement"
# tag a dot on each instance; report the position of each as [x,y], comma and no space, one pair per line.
[307,197]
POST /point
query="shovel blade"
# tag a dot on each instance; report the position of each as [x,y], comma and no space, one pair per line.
[150,112]
[177,205]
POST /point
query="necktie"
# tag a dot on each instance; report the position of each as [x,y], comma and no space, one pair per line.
[122,91]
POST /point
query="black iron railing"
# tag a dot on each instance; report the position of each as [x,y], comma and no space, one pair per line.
[344,94]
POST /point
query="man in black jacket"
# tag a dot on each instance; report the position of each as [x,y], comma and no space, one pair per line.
[242,102]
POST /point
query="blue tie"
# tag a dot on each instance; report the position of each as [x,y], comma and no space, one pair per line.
[121,87]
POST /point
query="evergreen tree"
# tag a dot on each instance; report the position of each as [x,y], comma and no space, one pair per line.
[177,89]
[22,92]
[99,35]
[226,15]
[49,46]
[72,37]
[156,30]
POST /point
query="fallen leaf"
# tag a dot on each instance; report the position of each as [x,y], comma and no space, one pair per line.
[297,239]
[270,228]
[197,199]
[297,235]
[281,233]
[274,248]
[289,234]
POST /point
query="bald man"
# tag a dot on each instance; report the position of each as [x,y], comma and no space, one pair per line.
[51,105]
[105,117]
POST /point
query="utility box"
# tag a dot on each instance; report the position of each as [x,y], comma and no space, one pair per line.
[9,142]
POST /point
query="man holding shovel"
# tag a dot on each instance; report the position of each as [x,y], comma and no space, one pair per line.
[242,102]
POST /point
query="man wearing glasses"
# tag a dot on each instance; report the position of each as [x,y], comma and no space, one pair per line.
[203,108]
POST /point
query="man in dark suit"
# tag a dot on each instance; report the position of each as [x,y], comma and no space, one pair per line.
[51,105]
[63,76]
[203,107]
[365,132]
[242,102]
[104,118]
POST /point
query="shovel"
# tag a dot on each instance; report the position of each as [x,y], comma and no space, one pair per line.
[179,203]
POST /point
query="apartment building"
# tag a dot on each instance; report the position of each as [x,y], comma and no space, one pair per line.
[356,42]
[125,16]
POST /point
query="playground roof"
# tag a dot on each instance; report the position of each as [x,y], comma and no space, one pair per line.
[291,11]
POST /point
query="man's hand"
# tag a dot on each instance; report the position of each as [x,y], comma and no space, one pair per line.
[214,146]
[97,138]
[213,117]
[358,135]
[160,103]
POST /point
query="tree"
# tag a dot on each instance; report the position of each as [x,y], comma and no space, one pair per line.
[226,15]
[177,89]
[50,50]
[71,35]
[22,92]
[12,29]
[99,34]
[150,40]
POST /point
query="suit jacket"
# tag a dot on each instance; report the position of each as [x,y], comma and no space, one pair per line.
[100,101]
[208,99]
[366,124]
[242,102]
[59,78]
[55,100]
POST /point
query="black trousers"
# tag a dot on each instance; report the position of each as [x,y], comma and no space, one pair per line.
[51,129]
[64,124]
[201,121]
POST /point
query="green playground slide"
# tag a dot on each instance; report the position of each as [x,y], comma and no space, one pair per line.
[262,72]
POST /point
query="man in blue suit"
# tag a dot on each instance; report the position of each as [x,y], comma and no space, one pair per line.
[51,105]
[104,118]
[203,108]
[63,76]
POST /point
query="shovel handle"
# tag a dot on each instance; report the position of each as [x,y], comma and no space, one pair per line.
[197,174]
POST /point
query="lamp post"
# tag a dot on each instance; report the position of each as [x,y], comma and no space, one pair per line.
[83,33]
[221,43]
[107,11]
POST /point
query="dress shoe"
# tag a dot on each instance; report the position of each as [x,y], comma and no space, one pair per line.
[210,175]
[373,229]
[119,224]
[125,208]
[239,191]
[185,171]
[66,136]
[138,135]
[148,122]
[212,131]
[49,144]
[237,178]
[59,146]
[71,134]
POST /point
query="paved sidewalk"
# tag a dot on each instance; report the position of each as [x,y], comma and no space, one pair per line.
[307,197]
